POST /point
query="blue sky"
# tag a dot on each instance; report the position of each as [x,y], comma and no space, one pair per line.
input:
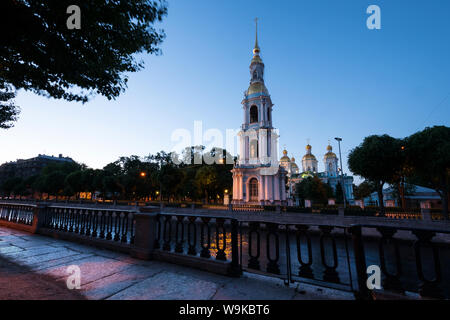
[328,75]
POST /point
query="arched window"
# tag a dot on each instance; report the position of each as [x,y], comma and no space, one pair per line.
[254,148]
[253,114]
[253,189]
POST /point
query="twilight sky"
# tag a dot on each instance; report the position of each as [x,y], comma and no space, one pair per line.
[328,75]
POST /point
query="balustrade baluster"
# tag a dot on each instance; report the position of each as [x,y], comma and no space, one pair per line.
[109,225]
[102,224]
[117,225]
[220,231]
[167,232]
[305,269]
[94,223]
[77,220]
[59,218]
[88,222]
[66,220]
[132,225]
[82,221]
[192,235]
[158,231]
[330,274]
[206,246]
[428,287]
[179,238]
[272,266]
[253,262]
[19,215]
[391,280]
[71,216]
[125,218]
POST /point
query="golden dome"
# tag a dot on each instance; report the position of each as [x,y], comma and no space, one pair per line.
[294,165]
[257,87]
[293,159]
[330,154]
[329,148]
[285,158]
[308,147]
[309,157]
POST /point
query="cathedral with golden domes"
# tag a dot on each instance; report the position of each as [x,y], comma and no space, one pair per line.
[258,176]
[310,167]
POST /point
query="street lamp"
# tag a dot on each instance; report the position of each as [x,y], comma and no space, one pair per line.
[402,183]
[342,171]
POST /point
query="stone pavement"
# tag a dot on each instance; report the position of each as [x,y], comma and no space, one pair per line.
[35,267]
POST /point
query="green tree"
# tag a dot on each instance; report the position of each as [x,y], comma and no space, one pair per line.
[428,153]
[111,180]
[8,110]
[312,188]
[54,182]
[205,178]
[363,190]
[9,186]
[339,193]
[378,159]
[36,49]
[74,183]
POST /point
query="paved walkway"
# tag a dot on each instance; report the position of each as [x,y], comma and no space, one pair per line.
[35,267]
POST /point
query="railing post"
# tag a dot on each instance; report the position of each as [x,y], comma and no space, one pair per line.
[360,261]
[38,217]
[235,267]
[145,233]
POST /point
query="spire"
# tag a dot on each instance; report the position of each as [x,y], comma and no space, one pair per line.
[256,48]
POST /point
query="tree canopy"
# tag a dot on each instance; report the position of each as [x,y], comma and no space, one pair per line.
[428,154]
[39,53]
[8,110]
[364,189]
[129,178]
[312,188]
[379,160]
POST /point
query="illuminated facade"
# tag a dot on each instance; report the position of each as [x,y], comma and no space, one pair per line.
[310,168]
[257,176]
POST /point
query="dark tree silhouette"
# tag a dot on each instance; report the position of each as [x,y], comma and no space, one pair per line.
[40,54]
[378,159]
[428,153]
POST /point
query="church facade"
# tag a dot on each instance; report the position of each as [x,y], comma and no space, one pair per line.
[257,176]
[310,167]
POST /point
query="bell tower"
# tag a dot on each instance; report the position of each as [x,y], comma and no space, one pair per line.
[257,177]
